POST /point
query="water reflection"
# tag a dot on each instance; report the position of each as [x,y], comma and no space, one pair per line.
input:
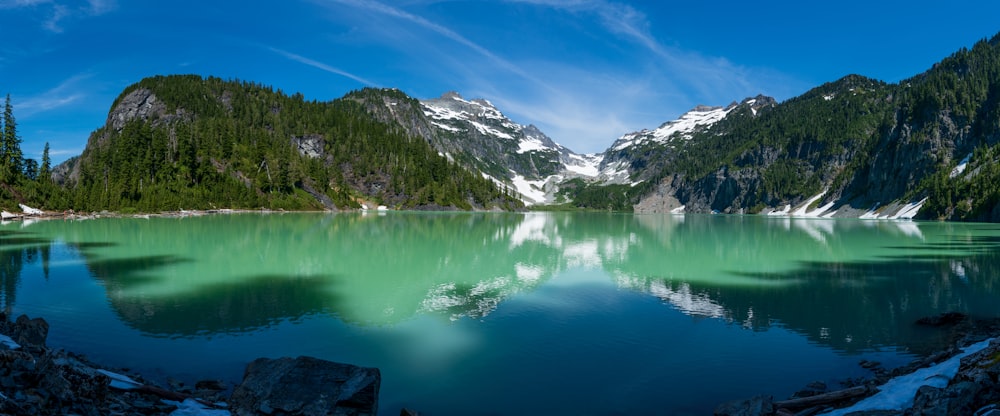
[852,285]
[18,249]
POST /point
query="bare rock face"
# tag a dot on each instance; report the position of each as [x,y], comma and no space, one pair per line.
[306,386]
[310,145]
[139,104]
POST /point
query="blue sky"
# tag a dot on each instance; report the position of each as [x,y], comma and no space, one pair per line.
[584,71]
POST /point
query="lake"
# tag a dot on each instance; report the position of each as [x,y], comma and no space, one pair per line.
[515,313]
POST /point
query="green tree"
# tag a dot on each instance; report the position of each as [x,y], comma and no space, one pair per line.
[10,148]
[45,171]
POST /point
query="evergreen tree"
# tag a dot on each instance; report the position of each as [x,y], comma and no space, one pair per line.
[45,171]
[10,153]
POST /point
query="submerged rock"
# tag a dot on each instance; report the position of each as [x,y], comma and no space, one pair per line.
[944,319]
[757,406]
[306,386]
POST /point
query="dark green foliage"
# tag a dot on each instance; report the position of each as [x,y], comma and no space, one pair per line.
[10,147]
[602,197]
[862,140]
[233,144]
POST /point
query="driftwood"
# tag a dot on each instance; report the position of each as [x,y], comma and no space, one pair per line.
[121,382]
[825,398]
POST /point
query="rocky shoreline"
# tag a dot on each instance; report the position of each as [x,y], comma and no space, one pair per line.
[37,380]
[973,389]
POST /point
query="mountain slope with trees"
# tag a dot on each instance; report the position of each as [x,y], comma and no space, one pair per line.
[865,144]
[184,142]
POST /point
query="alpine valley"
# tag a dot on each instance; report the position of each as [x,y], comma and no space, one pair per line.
[925,147]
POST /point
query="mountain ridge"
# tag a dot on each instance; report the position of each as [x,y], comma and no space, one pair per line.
[860,146]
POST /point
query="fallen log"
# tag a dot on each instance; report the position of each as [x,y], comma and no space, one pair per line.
[825,398]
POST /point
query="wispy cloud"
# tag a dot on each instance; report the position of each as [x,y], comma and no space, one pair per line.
[436,28]
[706,76]
[584,102]
[316,64]
[15,4]
[52,24]
[57,12]
[99,7]
[66,93]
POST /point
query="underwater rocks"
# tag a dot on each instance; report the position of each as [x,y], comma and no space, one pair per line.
[306,386]
[36,380]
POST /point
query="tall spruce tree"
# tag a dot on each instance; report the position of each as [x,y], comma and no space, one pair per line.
[10,153]
[45,171]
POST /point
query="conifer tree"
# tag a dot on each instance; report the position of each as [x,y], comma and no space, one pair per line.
[45,171]
[10,154]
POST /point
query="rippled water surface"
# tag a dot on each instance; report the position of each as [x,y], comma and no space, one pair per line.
[531,313]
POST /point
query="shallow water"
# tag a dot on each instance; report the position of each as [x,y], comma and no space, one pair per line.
[535,313]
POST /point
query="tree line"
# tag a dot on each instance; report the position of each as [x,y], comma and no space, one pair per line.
[218,143]
[23,180]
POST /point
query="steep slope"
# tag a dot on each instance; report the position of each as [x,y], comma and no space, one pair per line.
[866,148]
[642,154]
[475,134]
[186,142]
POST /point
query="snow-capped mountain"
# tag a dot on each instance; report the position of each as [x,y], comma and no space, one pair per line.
[475,133]
[700,117]
[634,155]
[518,155]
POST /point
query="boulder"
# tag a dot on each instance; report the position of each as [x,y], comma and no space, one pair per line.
[30,333]
[306,386]
[956,399]
[757,406]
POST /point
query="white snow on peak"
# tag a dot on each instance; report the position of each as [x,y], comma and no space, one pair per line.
[701,116]
[445,126]
[476,112]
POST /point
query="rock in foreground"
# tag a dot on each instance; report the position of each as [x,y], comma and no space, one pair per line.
[306,386]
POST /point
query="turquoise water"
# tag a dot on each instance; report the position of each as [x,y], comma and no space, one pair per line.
[535,313]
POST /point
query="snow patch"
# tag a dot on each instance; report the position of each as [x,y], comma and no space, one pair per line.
[191,407]
[678,210]
[29,210]
[961,166]
[489,131]
[8,343]
[445,126]
[782,212]
[585,165]
[908,211]
[898,393]
[529,144]
[530,190]
[684,126]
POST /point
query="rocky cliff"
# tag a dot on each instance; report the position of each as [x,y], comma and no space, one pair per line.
[864,147]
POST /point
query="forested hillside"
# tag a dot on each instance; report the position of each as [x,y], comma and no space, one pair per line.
[183,142]
[865,143]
